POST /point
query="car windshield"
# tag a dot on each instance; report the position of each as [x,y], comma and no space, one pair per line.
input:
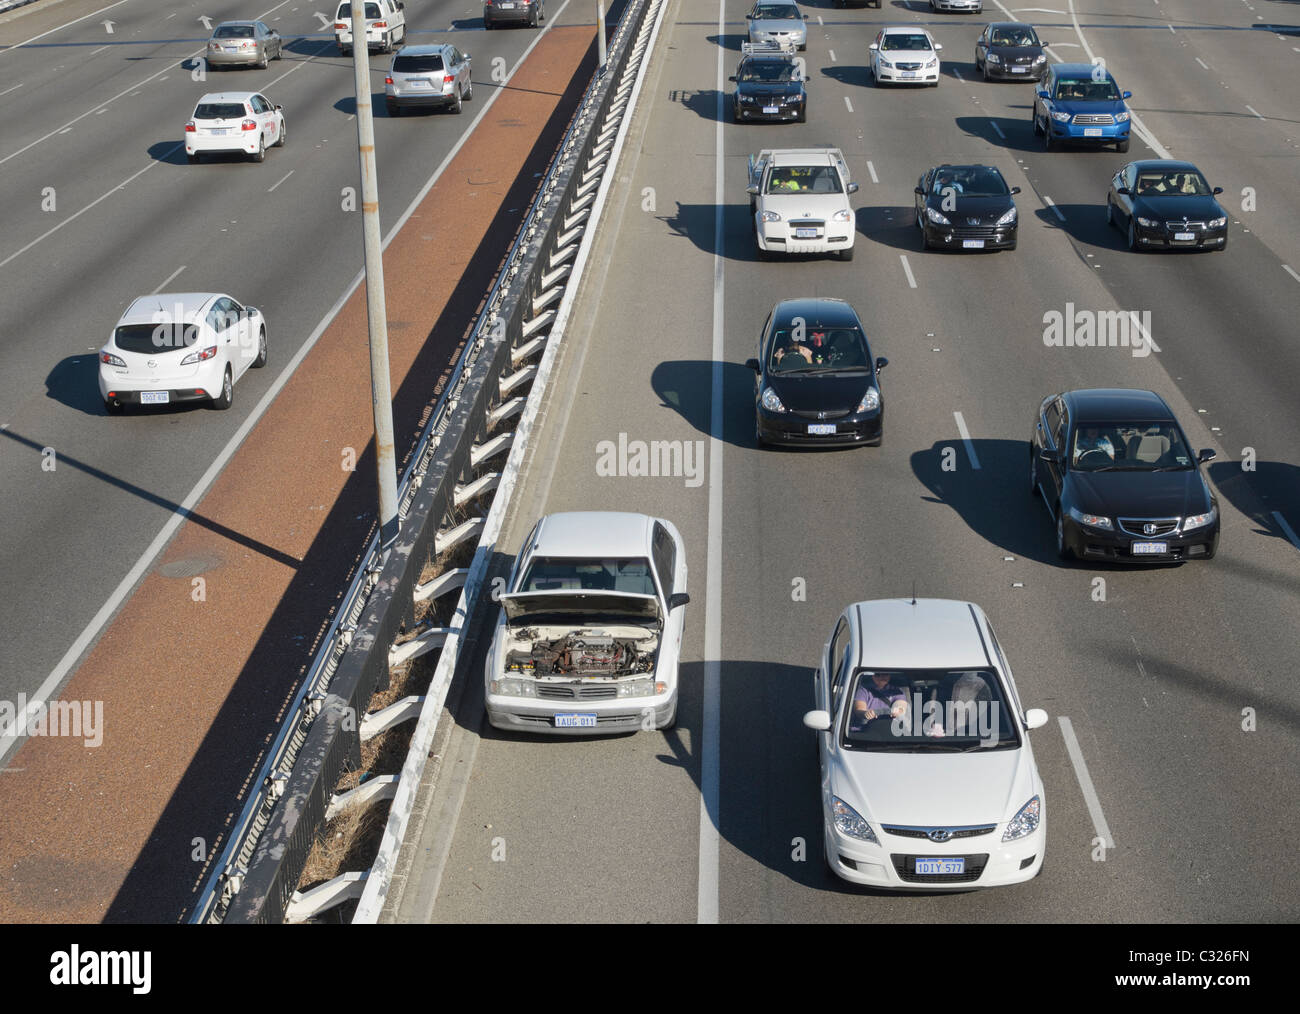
[767,70]
[927,711]
[804,179]
[782,12]
[568,574]
[1015,37]
[152,339]
[1086,90]
[913,42]
[817,350]
[219,111]
[970,181]
[1172,184]
[417,64]
[345,12]
[233,32]
[1129,447]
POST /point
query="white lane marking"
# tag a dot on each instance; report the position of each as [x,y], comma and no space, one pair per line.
[848,104]
[1085,782]
[170,278]
[1291,271]
[1290,533]
[997,130]
[706,899]
[1255,111]
[823,23]
[182,512]
[1055,210]
[1171,30]
[282,179]
[907,270]
[13,89]
[965,439]
[957,74]
[1202,63]
[99,50]
[874,179]
[68,25]
[832,52]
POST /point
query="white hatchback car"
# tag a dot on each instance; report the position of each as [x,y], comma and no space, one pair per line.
[241,122]
[928,780]
[178,347]
[904,55]
[590,630]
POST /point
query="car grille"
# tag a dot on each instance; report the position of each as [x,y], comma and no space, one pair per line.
[904,865]
[907,66]
[1173,227]
[1094,120]
[567,692]
[1162,526]
[821,416]
[974,232]
[924,832]
[1021,61]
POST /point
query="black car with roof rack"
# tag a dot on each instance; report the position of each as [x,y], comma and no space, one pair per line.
[769,84]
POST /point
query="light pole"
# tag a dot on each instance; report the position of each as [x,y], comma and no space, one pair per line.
[600,36]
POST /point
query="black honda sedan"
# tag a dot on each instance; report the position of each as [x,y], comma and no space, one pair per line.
[1163,204]
[966,207]
[1120,479]
[816,383]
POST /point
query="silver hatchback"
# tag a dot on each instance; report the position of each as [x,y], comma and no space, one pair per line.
[436,75]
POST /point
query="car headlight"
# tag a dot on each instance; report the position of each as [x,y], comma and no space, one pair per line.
[1060,117]
[936,217]
[1121,117]
[931,64]
[1040,58]
[1091,520]
[848,822]
[108,359]
[1217,223]
[1200,520]
[1025,821]
[844,215]
[870,401]
[769,216]
[1009,218]
[636,688]
[994,58]
[514,688]
[1147,223]
[770,401]
[747,98]
[885,64]
[199,355]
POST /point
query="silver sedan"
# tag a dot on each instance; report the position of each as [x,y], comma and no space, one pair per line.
[243,43]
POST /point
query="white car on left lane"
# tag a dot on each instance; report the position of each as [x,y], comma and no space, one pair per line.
[177,347]
[240,122]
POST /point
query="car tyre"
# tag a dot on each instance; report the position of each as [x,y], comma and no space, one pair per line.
[279,51]
[1122,146]
[532,21]
[1033,473]
[1063,551]
[227,396]
[846,254]
[284,132]
[1033,119]
[456,106]
[1048,141]
[262,60]
[1110,214]
[1132,236]
[469,91]
[192,158]
[260,361]
[260,156]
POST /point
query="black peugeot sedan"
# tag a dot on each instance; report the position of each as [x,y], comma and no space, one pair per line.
[769,85]
[1120,479]
[816,383]
[1164,204]
[966,207]
[1010,51]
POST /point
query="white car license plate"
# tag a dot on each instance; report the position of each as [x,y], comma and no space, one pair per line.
[771,109]
[1184,235]
[908,75]
[1143,548]
[507,6]
[218,131]
[419,82]
[949,867]
[155,397]
[820,429]
[805,234]
[973,244]
[1019,70]
[575,721]
[1092,132]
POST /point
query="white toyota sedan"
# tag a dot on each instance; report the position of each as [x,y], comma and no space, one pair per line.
[180,347]
[244,123]
[928,779]
[904,56]
[590,630]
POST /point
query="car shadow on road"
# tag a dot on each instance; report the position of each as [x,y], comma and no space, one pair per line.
[704,103]
[696,222]
[1084,223]
[1270,486]
[1017,135]
[847,74]
[685,386]
[890,225]
[729,41]
[168,152]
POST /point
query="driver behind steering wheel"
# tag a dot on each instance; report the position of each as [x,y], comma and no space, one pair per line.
[1093,441]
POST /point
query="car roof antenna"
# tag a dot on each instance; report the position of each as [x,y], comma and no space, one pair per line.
[913,591]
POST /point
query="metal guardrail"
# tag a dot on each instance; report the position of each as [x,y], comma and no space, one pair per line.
[255,877]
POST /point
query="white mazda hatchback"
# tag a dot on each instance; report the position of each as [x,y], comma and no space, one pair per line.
[928,779]
[177,347]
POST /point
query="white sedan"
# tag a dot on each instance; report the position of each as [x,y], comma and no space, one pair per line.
[180,347]
[901,55]
[590,630]
[927,776]
[234,122]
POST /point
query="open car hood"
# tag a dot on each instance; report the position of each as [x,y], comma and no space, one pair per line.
[582,607]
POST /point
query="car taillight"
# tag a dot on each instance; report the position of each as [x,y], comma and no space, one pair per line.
[381,24]
[340,26]
[190,128]
[388,80]
[200,356]
[214,45]
[108,359]
[249,125]
[448,79]
[244,45]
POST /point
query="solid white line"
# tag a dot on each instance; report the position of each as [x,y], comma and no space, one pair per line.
[874,179]
[13,89]
[1085,782]
[1291,271]
[282,179]
[907,270]
[142,565]
[1255,111]
[68,25]
[997,129]
[706,902]
[99,50]
[1290,533]
[832,52]
[1202,63]
[1052,204]
[965,439]
[848,104]
[168,281]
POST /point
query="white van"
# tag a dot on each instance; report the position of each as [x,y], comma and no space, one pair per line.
[385,25]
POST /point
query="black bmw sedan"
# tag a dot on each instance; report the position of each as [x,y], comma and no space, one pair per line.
[1162,204]
[1120,480]
[966,207]
[816,383]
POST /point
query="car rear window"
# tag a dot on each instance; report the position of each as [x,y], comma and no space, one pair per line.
[345,12]
[150,339]
[417,64]
[234,32]
[219,111]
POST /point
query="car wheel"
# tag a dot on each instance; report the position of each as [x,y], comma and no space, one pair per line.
[469,90]
[261,149]
[260,361]
[1033,473]
[284,132]
[279,51]
[262,61]
[113,407]
[487,25]
[985,69]
[1132,236]
[846,254]
[1062,550]
[532,22]
[192,157]
[1222,246]
[1048,141]
[735,118]
[541,12]
[223,401]
[1110,214]
[1033,120]
[803,115]
[455,106]
[1122,146]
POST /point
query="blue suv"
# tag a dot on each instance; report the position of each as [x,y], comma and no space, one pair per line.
[1081,103]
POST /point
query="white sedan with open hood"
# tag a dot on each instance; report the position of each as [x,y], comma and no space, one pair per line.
[928,780]
[590,630]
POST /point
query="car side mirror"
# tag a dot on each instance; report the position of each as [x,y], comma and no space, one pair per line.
[466,57]
[1042,44]
[752,188]
[1123,191]
[677,599]
[1042,93]
[881,363]
[252,311]
[1207,454]
[732,78]
[1050,456]
[938,46]
[752,364]
[852,188]
[749,17]
[1217,190]
[1015,190]
[919,190]
[874,45]
[820,721]
[1035,718]
[1128,95]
